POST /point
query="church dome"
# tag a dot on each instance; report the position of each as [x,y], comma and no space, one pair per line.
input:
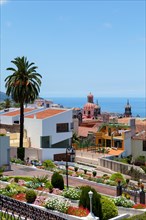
[89,106]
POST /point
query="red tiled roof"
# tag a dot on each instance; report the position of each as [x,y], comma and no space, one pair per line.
[83,131]
[17,112]
[115,152]
[45,114]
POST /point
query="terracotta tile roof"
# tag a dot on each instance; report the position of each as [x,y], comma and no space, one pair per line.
[140,136]
[83,131]
[115,152]
[17,112]
[45,114]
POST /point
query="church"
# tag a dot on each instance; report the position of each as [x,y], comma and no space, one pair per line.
[90,109]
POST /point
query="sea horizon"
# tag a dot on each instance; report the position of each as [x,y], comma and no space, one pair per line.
[107,104]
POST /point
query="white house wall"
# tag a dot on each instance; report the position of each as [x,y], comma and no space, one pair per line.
[34,131]
[49,126]
[8,120]
[127,143]
[137,148]
[4,150]
[48,154]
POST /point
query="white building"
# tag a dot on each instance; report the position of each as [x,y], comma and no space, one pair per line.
[13,116]
[47,131]
[4,152]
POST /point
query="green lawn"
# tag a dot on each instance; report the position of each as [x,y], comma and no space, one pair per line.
[138,217]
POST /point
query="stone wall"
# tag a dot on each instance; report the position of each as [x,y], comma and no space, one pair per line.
[11,128]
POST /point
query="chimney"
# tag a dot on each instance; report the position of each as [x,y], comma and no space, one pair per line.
[132,125]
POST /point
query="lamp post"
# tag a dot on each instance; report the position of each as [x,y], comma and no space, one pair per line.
[71,151]
[91,216]
[90,193]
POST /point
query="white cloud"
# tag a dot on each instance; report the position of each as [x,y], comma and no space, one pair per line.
[2,1]
[107,25]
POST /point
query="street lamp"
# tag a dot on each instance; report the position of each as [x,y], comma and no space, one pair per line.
[90,193]
[71,151]
[91,216]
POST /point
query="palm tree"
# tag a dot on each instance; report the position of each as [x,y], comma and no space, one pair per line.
[7,103]
[23,86]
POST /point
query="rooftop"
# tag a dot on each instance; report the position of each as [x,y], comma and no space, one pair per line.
[45,113]
[17,112]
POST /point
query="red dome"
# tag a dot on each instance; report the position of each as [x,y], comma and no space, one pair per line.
[89,106]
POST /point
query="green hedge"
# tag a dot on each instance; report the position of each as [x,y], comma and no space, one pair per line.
[109,209]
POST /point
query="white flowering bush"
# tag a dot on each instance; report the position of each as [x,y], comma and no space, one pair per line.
[72,193]
[122,201]
[59,205]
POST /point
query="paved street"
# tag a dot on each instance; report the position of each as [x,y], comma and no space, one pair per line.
[21,170]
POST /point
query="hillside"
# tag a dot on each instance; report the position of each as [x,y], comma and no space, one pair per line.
[3,96]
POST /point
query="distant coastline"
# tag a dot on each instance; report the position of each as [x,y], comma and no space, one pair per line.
[107,104]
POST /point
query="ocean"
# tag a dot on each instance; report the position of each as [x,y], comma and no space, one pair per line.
[112,105]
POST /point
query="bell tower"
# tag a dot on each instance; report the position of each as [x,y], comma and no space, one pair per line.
[90,98]
[128,112]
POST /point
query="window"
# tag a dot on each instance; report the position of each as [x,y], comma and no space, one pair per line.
[16,122]
[63,127]
[109,131]
[99,141]
[72,125]
[45,142]
[144,145]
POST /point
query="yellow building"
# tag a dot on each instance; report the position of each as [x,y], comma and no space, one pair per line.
[115,136]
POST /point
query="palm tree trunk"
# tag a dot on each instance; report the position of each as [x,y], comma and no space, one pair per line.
[20,150]
[21,124]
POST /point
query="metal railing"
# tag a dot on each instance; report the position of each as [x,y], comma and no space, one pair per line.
[14,209]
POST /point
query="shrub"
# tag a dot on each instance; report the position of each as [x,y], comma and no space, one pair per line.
[18,161]
[16,179]
[105,176]
[122,201]
[100,180]
[85,171]
[30,196]
[78,211]
[94,173]
[85,201]
[109,209]
[57,181]
[4,178]
[40,179]
[25,178]
[139,206]
[56,204]
[135,173]
[116,177]
[144,168]
[1,171]
[72,193]
[49,164]
[76,169]
[139,161]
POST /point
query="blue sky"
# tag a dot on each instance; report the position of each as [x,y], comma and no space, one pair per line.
[78,46]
